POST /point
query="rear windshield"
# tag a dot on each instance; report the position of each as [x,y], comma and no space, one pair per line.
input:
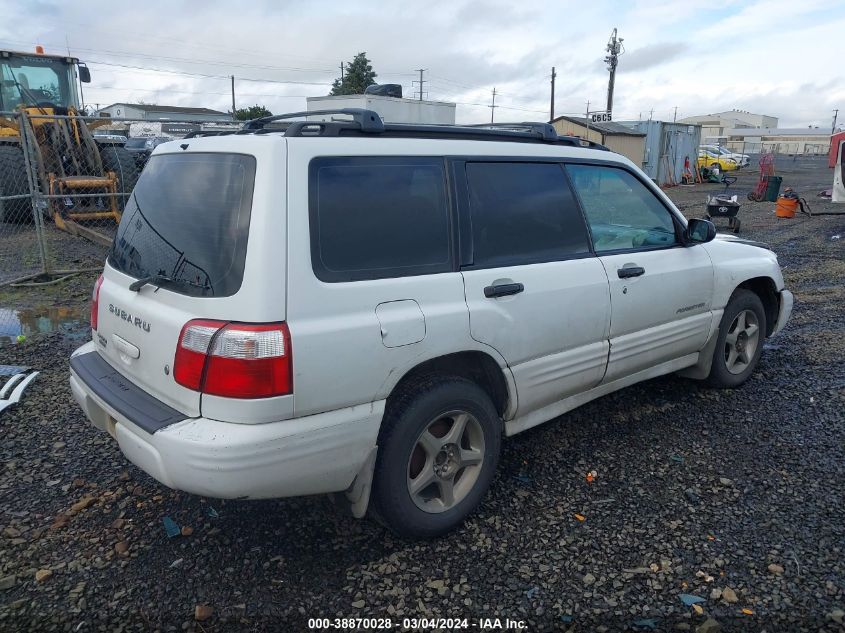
[136,142]
[188,220]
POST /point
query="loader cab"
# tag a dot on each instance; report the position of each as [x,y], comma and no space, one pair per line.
[33,80]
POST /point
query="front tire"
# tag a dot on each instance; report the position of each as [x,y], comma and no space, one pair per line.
[438,452]
[742,332]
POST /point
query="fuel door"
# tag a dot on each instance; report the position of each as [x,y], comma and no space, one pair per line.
[402,322]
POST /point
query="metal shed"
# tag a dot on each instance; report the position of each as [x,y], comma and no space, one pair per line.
[619,138]
[667,145]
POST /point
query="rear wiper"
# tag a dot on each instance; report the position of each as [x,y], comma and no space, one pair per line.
[158,280]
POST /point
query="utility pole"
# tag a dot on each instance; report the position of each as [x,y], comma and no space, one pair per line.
[552,104]
[341,72]
[421,81]
[587,118]
[493,106]
[233,97]
[675,116]
[614,49]
[651,114]
[835,116]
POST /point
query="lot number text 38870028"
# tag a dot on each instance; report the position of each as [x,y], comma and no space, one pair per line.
[416,624]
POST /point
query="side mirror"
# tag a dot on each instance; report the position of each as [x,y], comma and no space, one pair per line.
[84,74]
[700,231]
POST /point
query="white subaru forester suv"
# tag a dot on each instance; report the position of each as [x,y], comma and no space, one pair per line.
[354,307]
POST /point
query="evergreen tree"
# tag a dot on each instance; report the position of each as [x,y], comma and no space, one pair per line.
[359,74]
[252,112]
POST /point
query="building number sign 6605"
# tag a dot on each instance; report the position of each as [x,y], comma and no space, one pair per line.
[601,117]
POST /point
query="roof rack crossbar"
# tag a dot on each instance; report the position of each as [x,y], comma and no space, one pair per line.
[545,130]
[367,120]
[203,133]
[577,140]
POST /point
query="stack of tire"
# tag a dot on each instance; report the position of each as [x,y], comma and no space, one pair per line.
[115,158]
[13,182]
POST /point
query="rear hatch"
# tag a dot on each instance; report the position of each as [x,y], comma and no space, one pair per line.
[186,225]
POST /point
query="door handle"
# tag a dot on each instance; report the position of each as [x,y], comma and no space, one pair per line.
[503,290]
[630,271]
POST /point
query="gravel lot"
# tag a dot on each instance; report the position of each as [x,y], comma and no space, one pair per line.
[737,497]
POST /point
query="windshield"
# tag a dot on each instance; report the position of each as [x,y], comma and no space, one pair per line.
[34,80]
[188,220]
[137,142]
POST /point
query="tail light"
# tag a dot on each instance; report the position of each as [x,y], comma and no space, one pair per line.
[95,302]
[234,360]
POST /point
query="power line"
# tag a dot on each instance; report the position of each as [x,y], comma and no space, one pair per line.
[208,76]
[226,63]
[199,92]
[180,41]
[186,60]
[185,73]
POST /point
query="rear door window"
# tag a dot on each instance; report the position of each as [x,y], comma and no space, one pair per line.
[188,220]
[378,217]
[523,213]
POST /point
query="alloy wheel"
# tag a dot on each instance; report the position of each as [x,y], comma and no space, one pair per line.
[742,341]
[445,461]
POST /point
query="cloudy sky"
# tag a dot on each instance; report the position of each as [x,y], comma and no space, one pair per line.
[777,57]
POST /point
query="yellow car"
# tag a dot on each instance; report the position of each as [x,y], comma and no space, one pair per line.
[710,159]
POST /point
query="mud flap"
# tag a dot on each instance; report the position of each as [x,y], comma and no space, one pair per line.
[701,369]
[358,494]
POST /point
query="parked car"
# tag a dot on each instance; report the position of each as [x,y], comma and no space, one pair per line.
[742,160]
[712,159]
[370,309]
[142,146]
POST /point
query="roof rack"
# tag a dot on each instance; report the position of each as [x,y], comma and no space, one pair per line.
[202,133]
[368,122]
[547,130]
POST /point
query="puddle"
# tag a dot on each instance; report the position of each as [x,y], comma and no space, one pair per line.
[72,321]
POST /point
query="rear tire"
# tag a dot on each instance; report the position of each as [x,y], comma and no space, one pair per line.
[742,332]
[438,451]
[115,158]
[13,182]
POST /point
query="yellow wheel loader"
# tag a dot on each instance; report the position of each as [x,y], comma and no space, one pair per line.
[83,177]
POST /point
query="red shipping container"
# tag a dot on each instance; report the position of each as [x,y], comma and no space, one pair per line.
[835,140]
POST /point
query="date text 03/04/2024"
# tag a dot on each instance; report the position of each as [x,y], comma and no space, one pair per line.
[417,624]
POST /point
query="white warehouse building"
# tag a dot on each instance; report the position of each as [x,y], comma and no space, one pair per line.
[390,109]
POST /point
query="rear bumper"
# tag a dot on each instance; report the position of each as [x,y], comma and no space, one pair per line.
[302,456]
[785,311]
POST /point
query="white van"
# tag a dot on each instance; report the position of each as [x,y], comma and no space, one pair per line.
[360,308]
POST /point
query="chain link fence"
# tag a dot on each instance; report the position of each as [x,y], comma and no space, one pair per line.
[21,243]
[64,183]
